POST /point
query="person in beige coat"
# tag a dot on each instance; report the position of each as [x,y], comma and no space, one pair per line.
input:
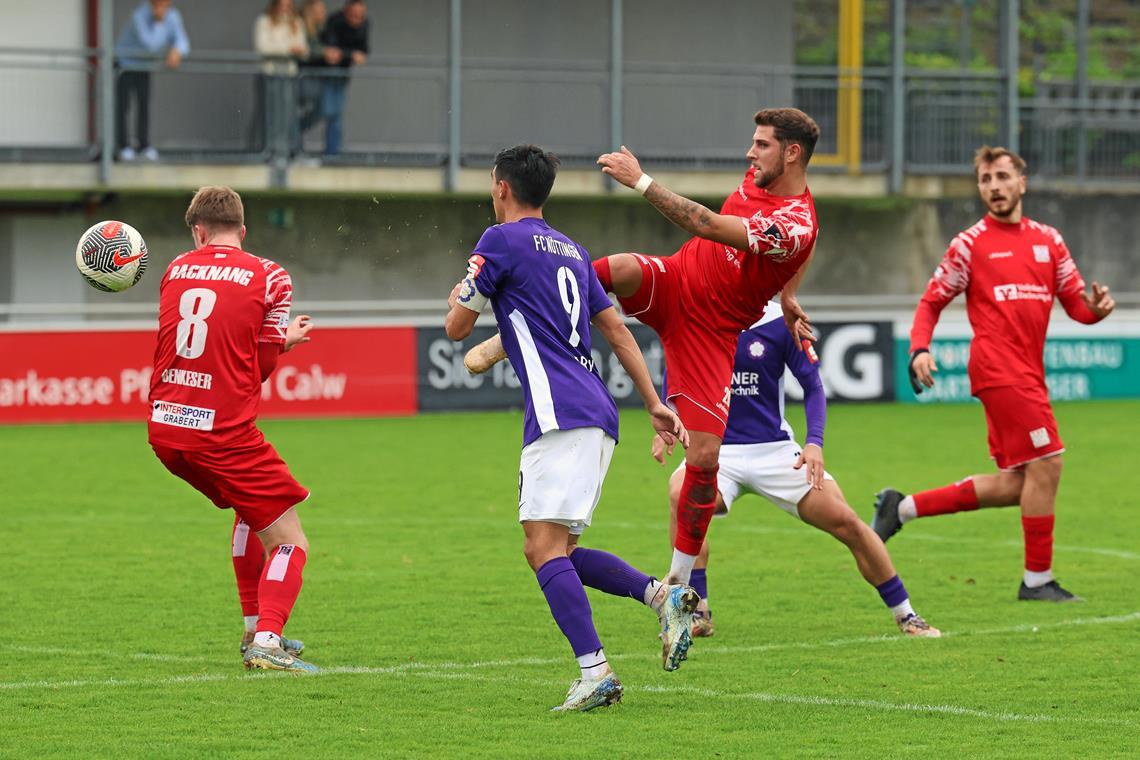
[279,38]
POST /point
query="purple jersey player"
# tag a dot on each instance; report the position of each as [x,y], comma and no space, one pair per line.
[760,455]
[545,296]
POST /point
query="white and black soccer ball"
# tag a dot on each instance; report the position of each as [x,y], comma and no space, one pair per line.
[111,256]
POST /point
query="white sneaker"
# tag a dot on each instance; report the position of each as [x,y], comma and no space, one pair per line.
[127,154]
[586,694]
[676,616]
[149,153]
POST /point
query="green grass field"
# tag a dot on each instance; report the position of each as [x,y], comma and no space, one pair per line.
[120,624]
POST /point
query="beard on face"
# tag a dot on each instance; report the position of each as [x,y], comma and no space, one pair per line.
[1010,202]
[765,177]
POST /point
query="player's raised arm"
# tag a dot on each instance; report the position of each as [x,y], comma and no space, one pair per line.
[665,421]
[689,215]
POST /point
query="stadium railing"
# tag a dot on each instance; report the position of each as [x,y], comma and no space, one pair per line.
[398,113]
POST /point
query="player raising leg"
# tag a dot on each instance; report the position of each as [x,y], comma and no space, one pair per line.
[699,299]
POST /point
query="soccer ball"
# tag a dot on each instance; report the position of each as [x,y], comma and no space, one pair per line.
[111,256]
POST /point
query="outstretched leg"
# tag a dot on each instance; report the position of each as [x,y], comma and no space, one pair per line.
[827,510]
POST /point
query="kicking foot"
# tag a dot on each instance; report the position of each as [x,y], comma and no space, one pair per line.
[913,625]
[1050,592]
[485,355]
[293,646]
[676,616]
[275,658]
[595,692]
[886,521]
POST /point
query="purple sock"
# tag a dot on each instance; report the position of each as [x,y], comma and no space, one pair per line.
[893,592]
[699,580]
[569,605]
[610,573]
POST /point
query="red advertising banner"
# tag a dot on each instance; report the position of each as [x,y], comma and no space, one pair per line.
[81,376]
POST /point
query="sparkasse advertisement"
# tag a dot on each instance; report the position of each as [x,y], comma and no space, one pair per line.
[80,376]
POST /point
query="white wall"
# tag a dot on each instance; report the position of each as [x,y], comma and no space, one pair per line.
[43,106]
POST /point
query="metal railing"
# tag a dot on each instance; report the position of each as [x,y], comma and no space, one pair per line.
[400,111]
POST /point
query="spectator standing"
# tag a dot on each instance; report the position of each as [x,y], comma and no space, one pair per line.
[279,38]
[347,31]
[154,31]
[314,17]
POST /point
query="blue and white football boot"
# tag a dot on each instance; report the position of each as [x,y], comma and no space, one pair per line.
[676,615]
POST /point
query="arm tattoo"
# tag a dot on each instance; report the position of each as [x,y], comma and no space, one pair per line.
[686,214]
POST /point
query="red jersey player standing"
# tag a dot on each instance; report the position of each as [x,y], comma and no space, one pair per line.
[701,298]
[223,321]
[1010,268]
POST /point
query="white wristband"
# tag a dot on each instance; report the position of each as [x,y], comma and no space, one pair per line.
[643,183]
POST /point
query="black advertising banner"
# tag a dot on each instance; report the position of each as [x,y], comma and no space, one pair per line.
[856,362]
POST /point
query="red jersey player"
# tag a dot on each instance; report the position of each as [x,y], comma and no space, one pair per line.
[223,321]
[1010,268]
[701,298]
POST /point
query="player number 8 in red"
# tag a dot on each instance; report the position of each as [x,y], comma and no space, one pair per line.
[195,306]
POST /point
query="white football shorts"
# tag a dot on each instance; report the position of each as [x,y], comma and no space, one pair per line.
[561,474]
[765,469]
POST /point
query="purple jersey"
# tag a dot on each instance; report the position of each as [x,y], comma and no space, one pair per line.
[756,414]
[544,292]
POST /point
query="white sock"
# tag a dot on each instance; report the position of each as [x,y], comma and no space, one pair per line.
[907,510]
[902,609]
[250,623]
[1035,580]
[652,589]
[593,664]
[682,568]
[266,639]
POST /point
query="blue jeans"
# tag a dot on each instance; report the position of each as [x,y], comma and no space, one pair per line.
[332,110]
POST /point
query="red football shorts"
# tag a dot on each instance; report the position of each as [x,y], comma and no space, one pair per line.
[1021,425]
[698,357]
[252,480]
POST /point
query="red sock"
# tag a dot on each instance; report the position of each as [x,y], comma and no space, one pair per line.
[602,268]
[956,497]
[1038,533]
[249,559]
[693,516]
[279,587]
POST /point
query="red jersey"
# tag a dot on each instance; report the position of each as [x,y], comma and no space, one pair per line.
[216,304]
[1010,274]
[731,287]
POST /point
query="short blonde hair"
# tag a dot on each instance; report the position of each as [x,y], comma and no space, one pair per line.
[216,207]
[987,155]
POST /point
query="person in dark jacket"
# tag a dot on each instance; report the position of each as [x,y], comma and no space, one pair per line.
[347,32]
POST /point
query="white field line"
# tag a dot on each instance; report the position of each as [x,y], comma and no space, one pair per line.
[502,675]
[702,649]
[465,669]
